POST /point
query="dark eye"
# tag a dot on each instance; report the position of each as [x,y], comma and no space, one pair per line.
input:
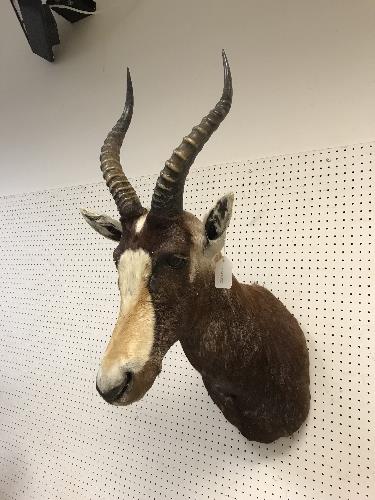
[176,261]
[116,256]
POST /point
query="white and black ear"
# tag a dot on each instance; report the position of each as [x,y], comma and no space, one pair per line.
[217,221]
[103,224]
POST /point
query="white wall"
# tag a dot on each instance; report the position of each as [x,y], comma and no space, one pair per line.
[304,78]
[60,440]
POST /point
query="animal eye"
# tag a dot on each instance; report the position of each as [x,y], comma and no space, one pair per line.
[176,261]
[116,257]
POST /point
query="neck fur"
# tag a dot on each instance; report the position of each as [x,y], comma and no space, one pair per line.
[220,321]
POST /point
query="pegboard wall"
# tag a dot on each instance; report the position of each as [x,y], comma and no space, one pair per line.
[303,227]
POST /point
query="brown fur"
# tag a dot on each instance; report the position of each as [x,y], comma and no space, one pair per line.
[249,349]
[253,359]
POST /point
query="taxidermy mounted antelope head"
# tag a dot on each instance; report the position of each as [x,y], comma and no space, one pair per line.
[248,348]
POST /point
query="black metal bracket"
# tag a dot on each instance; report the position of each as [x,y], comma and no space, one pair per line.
[39,25]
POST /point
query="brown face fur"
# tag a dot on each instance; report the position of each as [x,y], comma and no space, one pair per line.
[158,310]
[169,247]
[249,349]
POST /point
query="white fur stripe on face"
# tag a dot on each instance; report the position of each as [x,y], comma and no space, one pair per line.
[131,343]
[140,223]
[134,269]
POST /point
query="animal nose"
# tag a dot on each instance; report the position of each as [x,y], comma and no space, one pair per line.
[116,392]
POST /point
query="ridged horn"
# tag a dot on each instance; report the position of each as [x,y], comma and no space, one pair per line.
[126,198]
[167,199]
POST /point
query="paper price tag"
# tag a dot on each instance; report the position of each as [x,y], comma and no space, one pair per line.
[223,273]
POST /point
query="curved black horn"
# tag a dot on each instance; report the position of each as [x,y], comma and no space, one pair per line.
[126,198]
[167,199]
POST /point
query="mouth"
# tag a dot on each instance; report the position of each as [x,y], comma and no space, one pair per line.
[124,389]
[115,395]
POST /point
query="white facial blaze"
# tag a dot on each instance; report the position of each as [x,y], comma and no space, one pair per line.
[134,269]
[130,346]
[140,223]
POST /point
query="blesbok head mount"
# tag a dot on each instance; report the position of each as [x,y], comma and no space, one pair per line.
[248,348]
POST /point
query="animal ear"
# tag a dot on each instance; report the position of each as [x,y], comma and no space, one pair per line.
[103,224]
[217,221]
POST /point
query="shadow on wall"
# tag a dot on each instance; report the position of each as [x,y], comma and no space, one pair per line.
[188,427]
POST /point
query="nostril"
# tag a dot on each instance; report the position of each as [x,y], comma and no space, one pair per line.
[116,392]
[129,378]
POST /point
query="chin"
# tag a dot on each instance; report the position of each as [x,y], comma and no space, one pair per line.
[121,402]
[128,399]
[136,390]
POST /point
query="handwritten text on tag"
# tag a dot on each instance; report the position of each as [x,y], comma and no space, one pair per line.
[223,273]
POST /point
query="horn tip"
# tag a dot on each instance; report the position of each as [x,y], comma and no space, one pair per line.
[128,77]
[227,73]
[225,59]
[129,88]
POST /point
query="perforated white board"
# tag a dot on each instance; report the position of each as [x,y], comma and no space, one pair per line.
[303,227]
